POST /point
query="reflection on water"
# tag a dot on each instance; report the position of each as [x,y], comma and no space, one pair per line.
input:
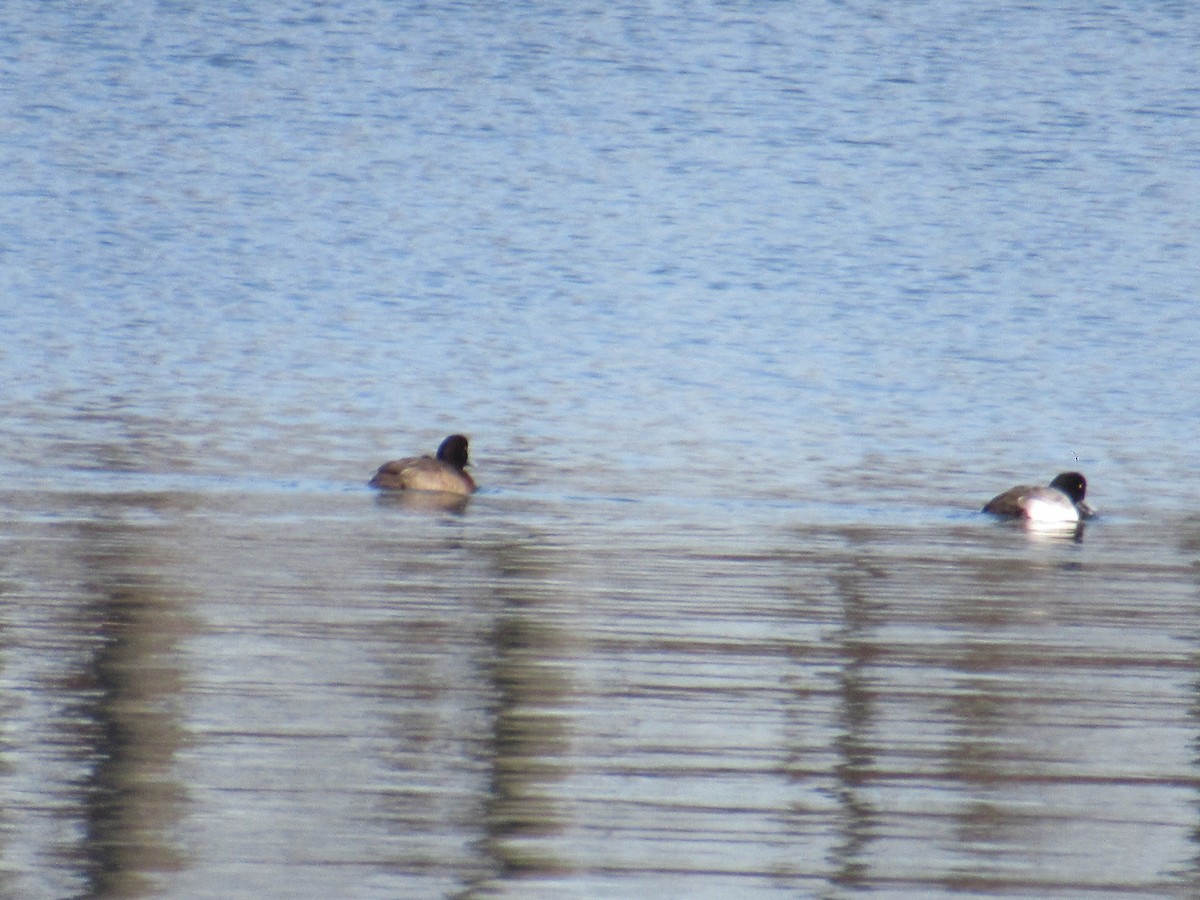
[124,725]
[532,743]
[472,703]
[423,501]
[856,651]
[746,313]
[1049,532]
[94,686]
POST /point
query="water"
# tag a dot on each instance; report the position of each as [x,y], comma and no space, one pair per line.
[746,309]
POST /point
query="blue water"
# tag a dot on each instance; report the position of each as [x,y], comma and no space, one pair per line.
[746,309]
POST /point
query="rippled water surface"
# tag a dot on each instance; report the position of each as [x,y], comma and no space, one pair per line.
[747,309]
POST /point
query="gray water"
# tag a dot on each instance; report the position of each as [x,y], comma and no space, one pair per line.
[747,309]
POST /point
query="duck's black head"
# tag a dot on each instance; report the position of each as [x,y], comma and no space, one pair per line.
[454,451]
[1073,484]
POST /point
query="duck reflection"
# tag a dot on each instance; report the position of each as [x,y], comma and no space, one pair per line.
[1053,532]
[424,502]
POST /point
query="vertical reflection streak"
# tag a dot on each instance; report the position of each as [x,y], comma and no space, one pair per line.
[855,758]
[122,724]
[530,734]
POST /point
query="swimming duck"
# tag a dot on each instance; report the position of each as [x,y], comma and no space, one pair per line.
[425,473]
[1061,501]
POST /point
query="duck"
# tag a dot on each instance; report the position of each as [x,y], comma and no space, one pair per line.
[1059,502]
[445,473]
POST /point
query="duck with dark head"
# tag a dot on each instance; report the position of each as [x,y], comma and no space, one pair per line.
[445,473]
[1059,502]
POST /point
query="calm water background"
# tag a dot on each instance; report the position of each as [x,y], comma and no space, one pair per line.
[747,308]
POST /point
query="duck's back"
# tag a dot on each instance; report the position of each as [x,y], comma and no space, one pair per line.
[422,473]
[1009,503]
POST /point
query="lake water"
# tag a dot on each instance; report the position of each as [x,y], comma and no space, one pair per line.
[747,309]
